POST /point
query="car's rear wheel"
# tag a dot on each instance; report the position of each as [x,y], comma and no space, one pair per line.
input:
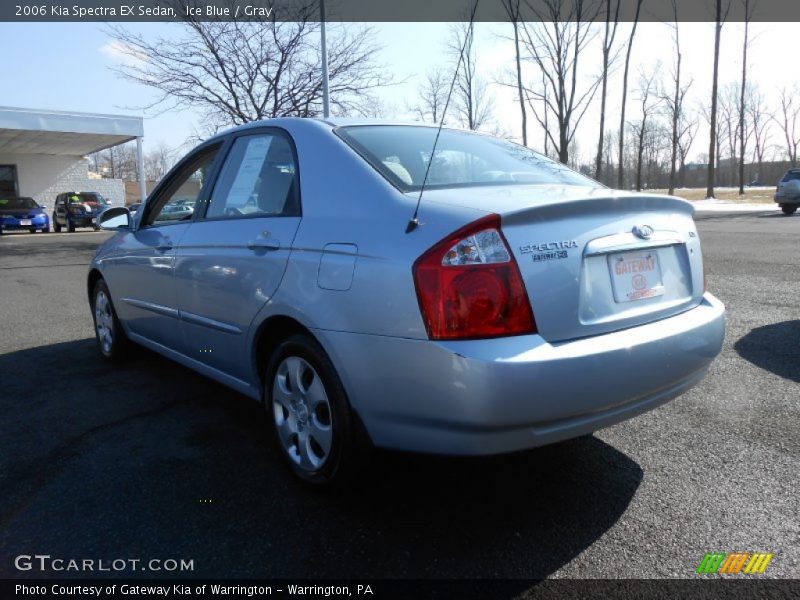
[32,230]
[111,339]
[70,226]
[56,224]
[789,209]
[312,424]
[45,229]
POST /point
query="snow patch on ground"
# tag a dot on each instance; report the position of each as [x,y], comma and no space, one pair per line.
[727,206]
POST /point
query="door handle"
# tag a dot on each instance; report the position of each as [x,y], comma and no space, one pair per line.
[264,243]
[164,247]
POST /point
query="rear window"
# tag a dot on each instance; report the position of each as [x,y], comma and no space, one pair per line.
[791,176]
[17,203]
[401,154]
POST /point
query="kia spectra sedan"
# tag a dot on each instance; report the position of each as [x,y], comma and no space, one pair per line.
[525,304]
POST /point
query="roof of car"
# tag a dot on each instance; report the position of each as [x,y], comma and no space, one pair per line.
[331,123]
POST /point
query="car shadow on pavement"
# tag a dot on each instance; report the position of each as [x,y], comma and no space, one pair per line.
[773,348]
[148,459]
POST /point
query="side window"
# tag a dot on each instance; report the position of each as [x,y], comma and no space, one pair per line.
[177,201]
[259,178]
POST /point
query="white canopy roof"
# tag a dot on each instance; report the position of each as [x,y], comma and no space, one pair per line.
[27,131]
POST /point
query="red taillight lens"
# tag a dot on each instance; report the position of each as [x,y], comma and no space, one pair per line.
[469,286]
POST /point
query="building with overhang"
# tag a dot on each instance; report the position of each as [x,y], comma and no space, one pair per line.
[43,152]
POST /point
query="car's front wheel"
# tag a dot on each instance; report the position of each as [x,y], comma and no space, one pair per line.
[70,226]
[310,414]
[111,339]
[56,224]
[788,209]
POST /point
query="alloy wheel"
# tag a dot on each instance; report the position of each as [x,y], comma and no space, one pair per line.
[104,321]
[302,413]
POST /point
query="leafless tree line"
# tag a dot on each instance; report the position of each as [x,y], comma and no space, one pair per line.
[241,71]
[119,162]
[653,149]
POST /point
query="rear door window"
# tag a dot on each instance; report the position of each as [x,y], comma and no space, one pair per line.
[259,178]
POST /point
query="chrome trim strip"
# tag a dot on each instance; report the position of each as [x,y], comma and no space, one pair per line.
[156,308]
[206,322]
[621,242]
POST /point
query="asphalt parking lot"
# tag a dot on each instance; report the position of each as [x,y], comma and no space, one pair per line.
[149,460]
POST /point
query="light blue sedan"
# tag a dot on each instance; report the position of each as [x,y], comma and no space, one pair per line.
[525,304]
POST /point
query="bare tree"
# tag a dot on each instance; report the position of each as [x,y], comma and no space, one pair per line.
[749,5]
[472,104]
[712,149]
[555,45]
[431,96]
[512,10]
[758,114]
[686,134]
[247,69]
[158,161]
[117,162]
[612,12]
[649,101]
[674,102]
[621,173]
[787,120]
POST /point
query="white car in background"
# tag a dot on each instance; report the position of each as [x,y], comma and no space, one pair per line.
[787,194]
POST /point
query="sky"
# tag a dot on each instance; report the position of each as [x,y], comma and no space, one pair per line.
[69,66]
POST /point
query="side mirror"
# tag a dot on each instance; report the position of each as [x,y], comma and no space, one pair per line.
[115,218]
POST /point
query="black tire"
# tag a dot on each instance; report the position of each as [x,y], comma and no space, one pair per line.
[45,229]
[348,452]
[119,346]
[789,209]
[70,226]
[56,224]
[32,230]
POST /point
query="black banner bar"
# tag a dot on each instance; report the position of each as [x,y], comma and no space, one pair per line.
[380,589]
[377,10]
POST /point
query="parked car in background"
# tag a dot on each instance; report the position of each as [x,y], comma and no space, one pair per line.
[787,194]
[23,213]
[178,210]
[526,304]
[78,209]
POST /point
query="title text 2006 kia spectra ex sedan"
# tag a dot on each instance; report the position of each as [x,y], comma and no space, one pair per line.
[525,305]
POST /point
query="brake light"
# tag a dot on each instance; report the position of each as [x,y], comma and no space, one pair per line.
[469,286]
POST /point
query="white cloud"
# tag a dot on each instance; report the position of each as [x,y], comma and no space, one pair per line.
[122,53]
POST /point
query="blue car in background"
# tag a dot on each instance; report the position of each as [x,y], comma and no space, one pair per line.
[23,213]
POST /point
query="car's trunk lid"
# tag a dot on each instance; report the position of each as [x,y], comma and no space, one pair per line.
[595,260]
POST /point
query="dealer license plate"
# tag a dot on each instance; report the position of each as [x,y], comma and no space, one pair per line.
[24,221]
[635,276]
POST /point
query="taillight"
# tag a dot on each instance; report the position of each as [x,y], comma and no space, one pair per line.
[469,286]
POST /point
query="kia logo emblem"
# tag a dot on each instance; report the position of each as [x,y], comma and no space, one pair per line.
[643,231]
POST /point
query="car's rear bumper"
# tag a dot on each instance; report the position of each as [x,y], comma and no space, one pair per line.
[786,199]
[501,395]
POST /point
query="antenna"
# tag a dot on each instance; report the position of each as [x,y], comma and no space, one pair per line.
[414,222]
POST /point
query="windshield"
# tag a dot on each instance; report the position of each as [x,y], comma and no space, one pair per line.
[87,198]
[401,154]
[17,203]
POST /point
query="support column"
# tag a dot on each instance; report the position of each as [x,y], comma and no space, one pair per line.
[140,170]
